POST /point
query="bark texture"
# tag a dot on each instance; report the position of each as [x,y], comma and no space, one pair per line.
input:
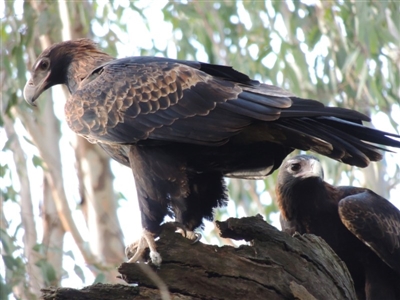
[99,203]
[274,266]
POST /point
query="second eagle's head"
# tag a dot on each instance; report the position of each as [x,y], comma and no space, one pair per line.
[300,167]
[300,179]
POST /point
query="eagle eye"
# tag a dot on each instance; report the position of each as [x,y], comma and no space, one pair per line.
[43,65]
[295,167]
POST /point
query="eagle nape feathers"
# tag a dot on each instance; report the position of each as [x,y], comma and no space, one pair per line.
[184,125]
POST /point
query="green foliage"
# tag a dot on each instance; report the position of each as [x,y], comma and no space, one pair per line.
[78,271]
[48,272]
[5,289]
[291,32]
[37,161]
[7,191]
[14,266]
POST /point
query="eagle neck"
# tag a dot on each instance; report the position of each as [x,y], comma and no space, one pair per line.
[81,65]
[303,198]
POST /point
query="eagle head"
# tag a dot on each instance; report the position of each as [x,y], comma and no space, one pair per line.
[300,167]
[63,63]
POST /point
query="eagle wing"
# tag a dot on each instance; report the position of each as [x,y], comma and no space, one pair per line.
[136,98]
[376,222]
[151,98]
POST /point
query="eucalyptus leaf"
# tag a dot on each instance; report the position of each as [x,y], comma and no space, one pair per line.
[78,271]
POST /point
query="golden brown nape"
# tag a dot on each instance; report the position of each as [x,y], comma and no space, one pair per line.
[360,226]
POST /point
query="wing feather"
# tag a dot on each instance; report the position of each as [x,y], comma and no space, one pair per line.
[376,222]
[265,98]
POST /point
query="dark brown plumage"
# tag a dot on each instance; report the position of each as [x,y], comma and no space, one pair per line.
[360,226]
[183,125]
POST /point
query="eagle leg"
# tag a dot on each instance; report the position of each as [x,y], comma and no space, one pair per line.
[135,251]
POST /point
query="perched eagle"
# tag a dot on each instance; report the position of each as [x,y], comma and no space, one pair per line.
[184,125]
[361,227]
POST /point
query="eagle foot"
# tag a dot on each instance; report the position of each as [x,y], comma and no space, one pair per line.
[135,251]
[189,234]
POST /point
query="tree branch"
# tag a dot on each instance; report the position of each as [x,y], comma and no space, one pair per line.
[275,266]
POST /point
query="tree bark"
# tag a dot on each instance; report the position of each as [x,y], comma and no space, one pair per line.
[99,204]
[275,266]
[53,234]
[98,200]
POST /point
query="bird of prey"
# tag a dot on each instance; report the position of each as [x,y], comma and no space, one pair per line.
[184,125]
[360,226]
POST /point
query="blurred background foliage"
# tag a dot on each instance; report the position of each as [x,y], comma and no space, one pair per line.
[343,53]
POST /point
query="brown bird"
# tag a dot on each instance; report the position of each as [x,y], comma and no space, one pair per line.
[360,226]
[184,125]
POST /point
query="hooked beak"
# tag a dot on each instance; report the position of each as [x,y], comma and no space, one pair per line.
[32,91]
[312,169]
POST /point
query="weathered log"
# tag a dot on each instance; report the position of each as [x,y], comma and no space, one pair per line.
[275,266]
[98,291]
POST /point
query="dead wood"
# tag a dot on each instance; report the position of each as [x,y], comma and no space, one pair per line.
[275,266]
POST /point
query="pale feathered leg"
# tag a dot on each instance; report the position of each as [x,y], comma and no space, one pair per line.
[135,251]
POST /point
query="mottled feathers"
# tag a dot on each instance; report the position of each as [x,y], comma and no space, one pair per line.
[376,222]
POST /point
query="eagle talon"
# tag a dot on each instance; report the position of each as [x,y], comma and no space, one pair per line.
[180,228]
[198,237]
[135,251]
[189,234]
[155,258]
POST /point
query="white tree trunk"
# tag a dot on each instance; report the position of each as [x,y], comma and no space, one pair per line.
[34,278]
[100,206]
